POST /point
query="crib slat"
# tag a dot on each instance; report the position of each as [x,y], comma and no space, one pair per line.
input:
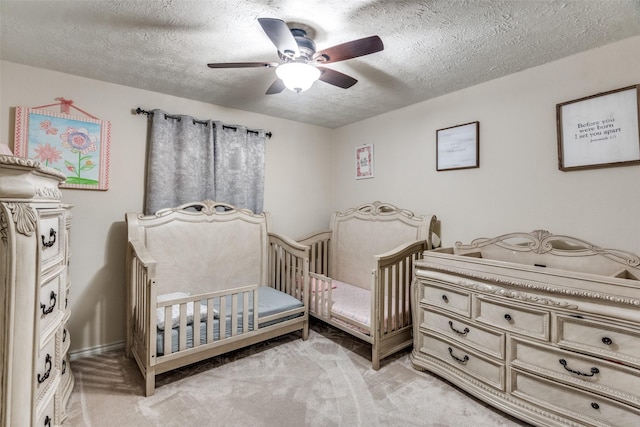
[167,330]
[245,311]
[182,334]
[210,315]
[234,315]
[223,317]
[196,323]
[255,310]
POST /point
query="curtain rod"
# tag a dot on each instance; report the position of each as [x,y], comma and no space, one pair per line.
[202,122]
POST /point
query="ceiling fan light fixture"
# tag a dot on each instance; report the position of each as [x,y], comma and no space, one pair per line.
[298,76]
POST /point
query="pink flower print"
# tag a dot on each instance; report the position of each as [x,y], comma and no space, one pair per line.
[47,154]
[79,140]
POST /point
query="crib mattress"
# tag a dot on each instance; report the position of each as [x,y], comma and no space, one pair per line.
[352,306]
[270,301]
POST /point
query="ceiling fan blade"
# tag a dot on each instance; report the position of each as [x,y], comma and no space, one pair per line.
[276,87]
[336,78]
[348,50]
[280,35]
[243,65]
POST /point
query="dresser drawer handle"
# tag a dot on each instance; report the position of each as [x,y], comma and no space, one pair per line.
[464,332]
[507,317]
[445,298]
[52,239]
[45,310]
[457,359]
[594,405]
[607,340]
[47,361]
[47,421]
[593,370]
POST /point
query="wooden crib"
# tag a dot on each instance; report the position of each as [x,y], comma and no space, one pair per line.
[207,278]
[361,272]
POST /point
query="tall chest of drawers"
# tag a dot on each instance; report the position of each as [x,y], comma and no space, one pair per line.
[544,327]
[35,375]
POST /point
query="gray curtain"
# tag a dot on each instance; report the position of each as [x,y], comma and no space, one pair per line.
[191,160]
[239,166]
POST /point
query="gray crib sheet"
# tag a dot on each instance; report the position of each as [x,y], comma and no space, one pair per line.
[270,301]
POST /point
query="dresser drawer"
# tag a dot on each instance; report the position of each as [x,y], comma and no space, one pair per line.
[588,408]
[46,367]
[51,238]
[47,416]
[453,300]
[615,380]
[50,303]
[65,339]
[464,331]
[484,369]
[599,338]
[512,317]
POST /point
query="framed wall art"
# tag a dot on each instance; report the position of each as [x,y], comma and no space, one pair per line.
[364,161]
[599,131]
[76,146]
[458,147]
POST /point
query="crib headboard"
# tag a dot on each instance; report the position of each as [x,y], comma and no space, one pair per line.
[204,246]
[371,229]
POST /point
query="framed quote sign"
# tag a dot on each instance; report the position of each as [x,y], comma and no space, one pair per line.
[599,131]
[364,161]
[458,147]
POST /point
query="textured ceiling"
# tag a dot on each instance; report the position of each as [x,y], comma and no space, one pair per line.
[432,47]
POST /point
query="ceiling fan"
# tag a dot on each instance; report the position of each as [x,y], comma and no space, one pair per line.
[301,65]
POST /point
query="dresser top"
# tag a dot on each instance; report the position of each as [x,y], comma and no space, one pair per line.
[22,178]
[541,260]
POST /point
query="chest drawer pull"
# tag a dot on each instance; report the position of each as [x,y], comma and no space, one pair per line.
[52,239]
[457,359]
[463,332]
[607,340]
[507,317]
[594,405]
[593,370]
[45,310]
[47,361]
[445,298]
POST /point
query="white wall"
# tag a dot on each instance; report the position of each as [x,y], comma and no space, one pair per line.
[518,186]
[298,200]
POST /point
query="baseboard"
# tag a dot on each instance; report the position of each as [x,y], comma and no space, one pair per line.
[87,352]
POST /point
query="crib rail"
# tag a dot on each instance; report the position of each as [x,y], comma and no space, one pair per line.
[288,266]
[318,251]
[141,268]
[193,305]
[393,290]
[320,302]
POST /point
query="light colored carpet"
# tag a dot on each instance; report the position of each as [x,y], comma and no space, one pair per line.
[325,381]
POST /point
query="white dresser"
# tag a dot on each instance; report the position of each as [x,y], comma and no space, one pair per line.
[35,376]
[543,327]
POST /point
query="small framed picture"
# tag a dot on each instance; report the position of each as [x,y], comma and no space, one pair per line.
[599,131]
[458,147]
[76,146]
[364,161]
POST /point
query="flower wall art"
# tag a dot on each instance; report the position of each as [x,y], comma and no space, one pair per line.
[76,146]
